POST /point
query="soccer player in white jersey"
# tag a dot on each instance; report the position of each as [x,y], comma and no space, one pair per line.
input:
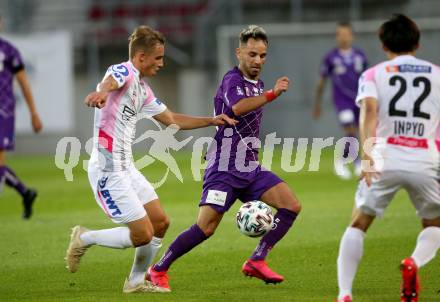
[400,106]
[121,191]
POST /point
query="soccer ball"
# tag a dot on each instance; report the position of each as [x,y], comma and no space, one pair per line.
[254,218]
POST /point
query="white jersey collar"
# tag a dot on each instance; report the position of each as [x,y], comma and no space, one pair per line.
[249,80]
[403,57]
[135,70]
[255,82]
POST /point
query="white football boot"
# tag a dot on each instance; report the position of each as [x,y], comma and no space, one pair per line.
[146,287]
[76,249]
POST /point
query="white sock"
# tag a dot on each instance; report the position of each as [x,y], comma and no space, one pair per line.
[428,243]
[143,258]
[117,238]
[350,253]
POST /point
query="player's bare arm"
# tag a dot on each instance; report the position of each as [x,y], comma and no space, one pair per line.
[247,105]
[318,100]
[187,122]
[368,122]
[22,79]
[99,98]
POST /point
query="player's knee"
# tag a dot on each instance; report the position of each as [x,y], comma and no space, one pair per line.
[360,224]
[141,238]
[292,204]
[431,222]
[208,230]
[296,207]
[161,227]
[362,221]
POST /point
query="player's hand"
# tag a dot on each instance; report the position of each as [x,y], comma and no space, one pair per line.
[96,99]
[369,171]
[36,123]
[317,112]
[281,85]
[223,119]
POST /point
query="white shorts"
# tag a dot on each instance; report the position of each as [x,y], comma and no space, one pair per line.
[423,191]
[122,195]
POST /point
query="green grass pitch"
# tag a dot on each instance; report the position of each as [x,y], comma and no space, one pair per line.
[32,266]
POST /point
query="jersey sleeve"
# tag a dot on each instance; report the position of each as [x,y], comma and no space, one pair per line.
[154,108]
[152,105]
[326,67]
[119,73]
[16,61]
[233,91]
[367,86]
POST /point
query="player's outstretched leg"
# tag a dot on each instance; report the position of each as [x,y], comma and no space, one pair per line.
[185,242]
[82,239]
[350,254]
[207,223]
[428,243]
[29,195]
[280,197]
[145,255]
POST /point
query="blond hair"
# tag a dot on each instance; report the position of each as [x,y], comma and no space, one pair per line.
[144,38]
[255,32]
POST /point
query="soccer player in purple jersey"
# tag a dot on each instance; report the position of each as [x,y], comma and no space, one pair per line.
[343,65]
[233,172]
[11,65]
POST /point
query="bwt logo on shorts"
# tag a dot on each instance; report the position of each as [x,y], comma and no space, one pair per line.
[103,182]
[111,205]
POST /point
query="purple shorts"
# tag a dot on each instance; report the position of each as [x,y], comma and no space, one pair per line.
[221,189]
[7,137]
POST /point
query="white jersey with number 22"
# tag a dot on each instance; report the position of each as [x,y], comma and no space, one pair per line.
[407,91]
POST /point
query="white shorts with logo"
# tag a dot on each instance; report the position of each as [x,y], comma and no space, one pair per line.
[423,191]
[121,195]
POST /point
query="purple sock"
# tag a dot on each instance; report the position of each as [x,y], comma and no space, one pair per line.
[13,181]
[283,219]
[185,242]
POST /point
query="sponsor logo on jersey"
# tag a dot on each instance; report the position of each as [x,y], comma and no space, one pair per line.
[248,92]
[408,68]
[239,91]
[339,67]
[119,73]
[127,113]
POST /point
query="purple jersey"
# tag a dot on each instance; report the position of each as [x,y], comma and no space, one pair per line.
[344,69]
[10,63]
[242,137]
[229,175]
